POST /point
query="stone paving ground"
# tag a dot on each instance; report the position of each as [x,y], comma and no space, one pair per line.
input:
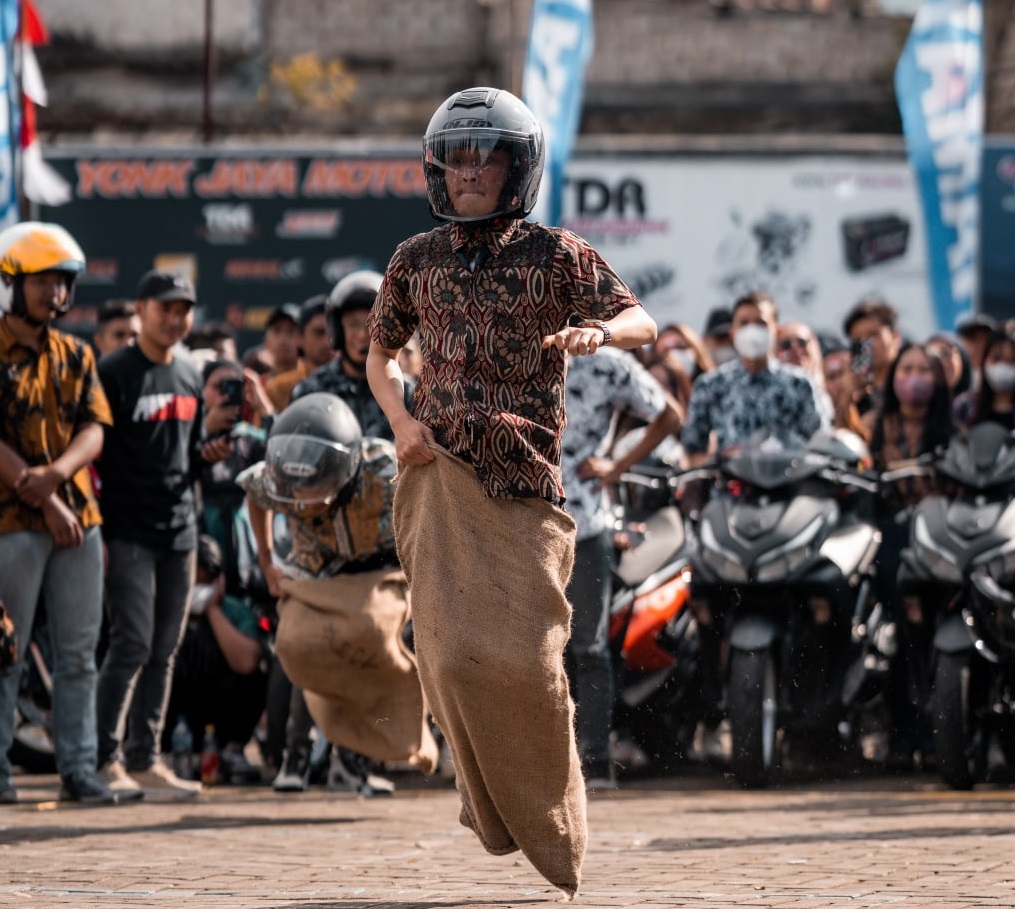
[688,840]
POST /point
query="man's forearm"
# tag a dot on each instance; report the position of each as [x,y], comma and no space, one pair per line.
[84,448]
[11,465]
[387,383]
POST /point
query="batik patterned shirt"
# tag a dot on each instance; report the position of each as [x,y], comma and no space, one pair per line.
[46,397]
[487,389]
[735,403]
[334,380]
[352,535]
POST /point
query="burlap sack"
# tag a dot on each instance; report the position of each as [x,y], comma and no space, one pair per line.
[490,622]
[340,640]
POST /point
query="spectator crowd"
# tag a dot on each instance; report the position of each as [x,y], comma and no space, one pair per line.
[145,560]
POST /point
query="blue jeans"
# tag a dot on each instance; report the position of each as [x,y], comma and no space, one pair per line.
[147,595]
[70,582]
[588,648]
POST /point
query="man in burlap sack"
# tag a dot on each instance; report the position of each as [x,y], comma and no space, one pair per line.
[478,524]
[343,599]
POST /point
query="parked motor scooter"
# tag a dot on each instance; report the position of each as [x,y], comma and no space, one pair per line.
[783,581]
[652,635]
[957,585]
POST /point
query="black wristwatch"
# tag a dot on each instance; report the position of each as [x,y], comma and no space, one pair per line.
[602,326]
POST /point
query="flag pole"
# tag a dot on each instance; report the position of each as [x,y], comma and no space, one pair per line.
[207,121]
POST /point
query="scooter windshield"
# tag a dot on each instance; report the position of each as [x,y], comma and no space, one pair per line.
[982,458]
[768,463]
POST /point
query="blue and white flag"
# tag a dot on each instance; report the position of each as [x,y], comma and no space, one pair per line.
[939,87]
[560,45]
[10,121]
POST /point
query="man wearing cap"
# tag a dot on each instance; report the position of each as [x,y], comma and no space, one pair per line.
[716,335]
[152,455]
[316,351]
[282,338]
[973,332]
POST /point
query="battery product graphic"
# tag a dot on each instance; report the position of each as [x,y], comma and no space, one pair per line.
[873,239]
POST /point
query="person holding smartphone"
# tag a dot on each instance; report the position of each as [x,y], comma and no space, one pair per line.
[872,329]
[235,400]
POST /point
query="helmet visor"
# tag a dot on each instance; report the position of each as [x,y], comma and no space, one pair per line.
[303,470]
[471,153]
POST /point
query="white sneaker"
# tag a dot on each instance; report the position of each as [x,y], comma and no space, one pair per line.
[116,778]
[160,780]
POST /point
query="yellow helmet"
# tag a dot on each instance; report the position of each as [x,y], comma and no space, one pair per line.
[32,247]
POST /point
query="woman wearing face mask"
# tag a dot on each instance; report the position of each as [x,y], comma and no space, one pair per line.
[995,400]
[676,359]
[915,418]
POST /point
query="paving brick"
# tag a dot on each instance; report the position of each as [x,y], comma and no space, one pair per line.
[686,841]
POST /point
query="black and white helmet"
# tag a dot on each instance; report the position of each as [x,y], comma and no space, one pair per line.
[314,452]
[357,290]
[480,120]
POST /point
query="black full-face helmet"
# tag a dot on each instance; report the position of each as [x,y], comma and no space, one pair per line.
[480,120]
[314,452]
[357,290]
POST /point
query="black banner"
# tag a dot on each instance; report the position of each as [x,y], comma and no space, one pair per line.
[252,230]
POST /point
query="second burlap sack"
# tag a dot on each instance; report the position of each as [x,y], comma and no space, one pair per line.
[340,640]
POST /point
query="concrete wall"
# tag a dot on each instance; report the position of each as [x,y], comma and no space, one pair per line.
[375,67]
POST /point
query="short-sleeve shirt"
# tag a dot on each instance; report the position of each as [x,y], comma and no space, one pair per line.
[279,389]
[600,389]
[487,390]
[46,397]
[332,379]
[353,535]
[735,403]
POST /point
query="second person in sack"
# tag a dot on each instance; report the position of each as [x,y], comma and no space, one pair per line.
[343,597]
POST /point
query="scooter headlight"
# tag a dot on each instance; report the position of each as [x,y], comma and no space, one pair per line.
[785,561]
[717,561]
[939,563]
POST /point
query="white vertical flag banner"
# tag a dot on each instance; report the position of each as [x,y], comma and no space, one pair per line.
[560,45]
[10,121]
[939,88]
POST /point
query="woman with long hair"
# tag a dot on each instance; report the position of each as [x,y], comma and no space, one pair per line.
[915,419]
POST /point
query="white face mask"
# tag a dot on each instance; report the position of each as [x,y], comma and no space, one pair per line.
[723,354]
[752,341]
[686,359]
[200,597]
[1000,376]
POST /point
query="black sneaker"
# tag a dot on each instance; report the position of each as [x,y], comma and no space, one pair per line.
[88,789]
[8,794]
[294,775]
[352,772]
[236,769]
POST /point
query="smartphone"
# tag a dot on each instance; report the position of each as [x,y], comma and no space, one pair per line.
[862,356]
[232,390]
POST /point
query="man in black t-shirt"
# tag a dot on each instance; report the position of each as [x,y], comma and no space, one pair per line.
[151,458]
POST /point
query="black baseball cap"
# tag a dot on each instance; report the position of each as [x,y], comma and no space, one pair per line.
[164,285]
[718,323]
[970,324]
[288,311]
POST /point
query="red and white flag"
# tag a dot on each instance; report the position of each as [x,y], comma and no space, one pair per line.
[40,182]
